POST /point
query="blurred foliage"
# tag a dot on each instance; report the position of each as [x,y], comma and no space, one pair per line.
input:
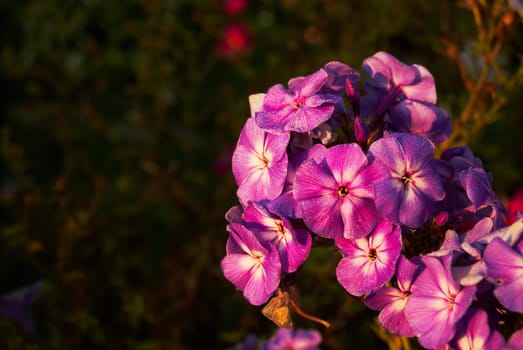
[117,124]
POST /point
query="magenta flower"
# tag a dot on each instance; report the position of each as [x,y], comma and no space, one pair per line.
[474,332]
[335,195]
[392,77]
[369,262]
[295,339]
[409,194]
[392,300]
[292,244]
[301,108]
[408,94]
[504,268]
[437,302]
[252,267]
[259,163]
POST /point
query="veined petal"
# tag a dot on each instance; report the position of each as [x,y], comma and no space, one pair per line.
[312,83]
[423,88]
[237,269]
[428,181]
[345,161]
[359,216]
[387,196]
[415,208]
[307,118]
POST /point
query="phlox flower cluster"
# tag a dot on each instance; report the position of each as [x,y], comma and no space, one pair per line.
[348,160]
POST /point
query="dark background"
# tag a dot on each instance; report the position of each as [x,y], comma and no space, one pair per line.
[118,119]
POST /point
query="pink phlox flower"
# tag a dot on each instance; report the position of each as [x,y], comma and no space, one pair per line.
[335,194]
[369,262]
[408,194]
[254,268]
[259,163]
[293,244]
[437,302]
[474,332]
[391,300]
[408,94]
[301,108]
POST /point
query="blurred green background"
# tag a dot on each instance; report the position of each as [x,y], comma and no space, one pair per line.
[118,119]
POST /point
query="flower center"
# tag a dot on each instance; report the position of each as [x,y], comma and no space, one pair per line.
[342,191]
[265,161]
[298,102]
[406,179]
[373,255]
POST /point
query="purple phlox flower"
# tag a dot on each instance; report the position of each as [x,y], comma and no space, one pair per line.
[301,108]
[259,163]
[419,118]
[252,267]
[339,74]
[505,270]
[335,195]
[249,343]
[474,331]
[408,94]
[437,302]
[295,339]
[395,79]
[293,244]
[286,205]
[369,262]
[515,341]
[391,300]
[409,194]
[16,306]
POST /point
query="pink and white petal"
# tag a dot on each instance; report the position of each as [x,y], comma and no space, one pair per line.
[428,181]
[382,297]
[297,247]
[275,146]
[423,88]
[313,180]
[359,216]
[393,318]
[390,152]
[353,274]
[245,163]
[237,269]
[322,216]
[252,137]
[265,279]
[345,161]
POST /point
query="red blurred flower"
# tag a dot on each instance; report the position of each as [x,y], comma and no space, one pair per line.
[234,7]
[236,39]
[515,204]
